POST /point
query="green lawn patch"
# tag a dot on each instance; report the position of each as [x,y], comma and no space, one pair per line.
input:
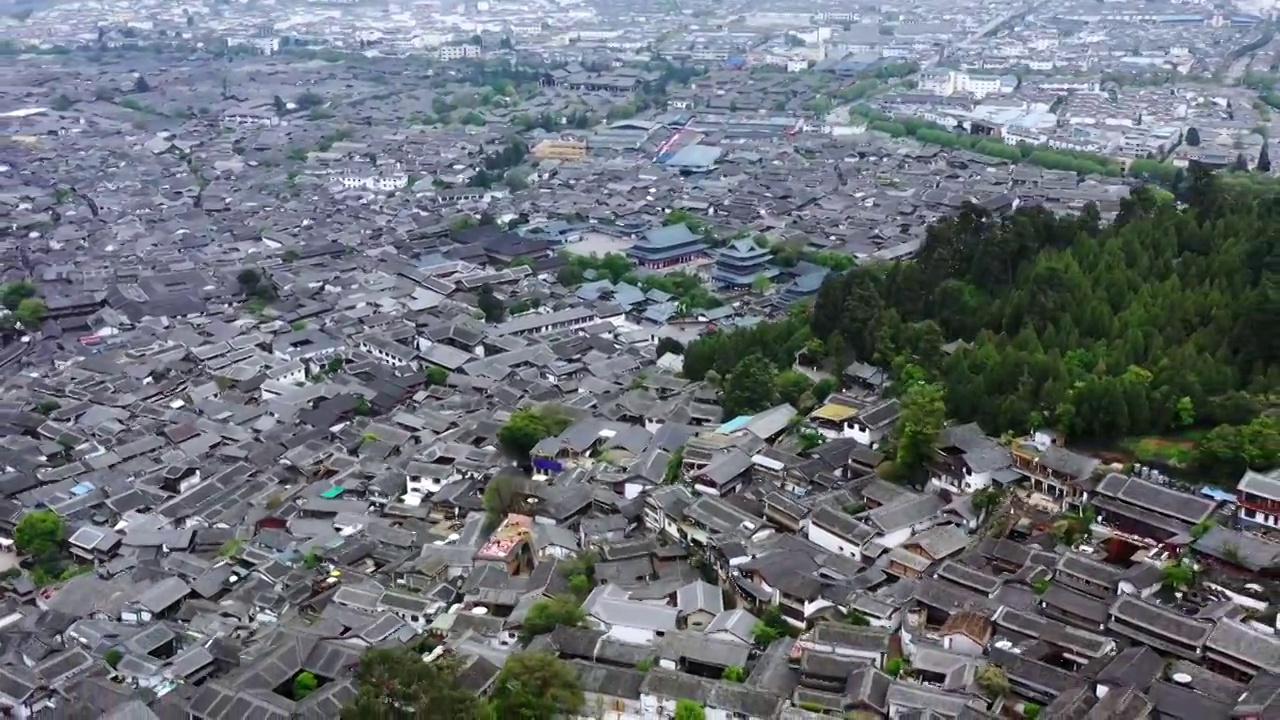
[1171,450]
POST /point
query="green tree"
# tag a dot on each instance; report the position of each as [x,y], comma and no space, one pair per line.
[686,218]
[12,294]
[490,305]
[528,426]
[569,276]
[895,667]
[857,619]
[734,673]
[992,680]
[1067,322]
[547,615]
[1073,528]
[304,684]
[30,312]
[1186,411]
[47,406]
[772,626]
[394,684]
[749,388]
[308,100]
[584,564]
[1202,528]
[39,533]
[249,280]
[675,466]
[921,416]
[668,345]
[614,266]
[502,496]
[1179,575]
[436,375]
[987,499]
[579,585]
[1228,450]
[113,657]
[790,386]
[689,710]
[536,685]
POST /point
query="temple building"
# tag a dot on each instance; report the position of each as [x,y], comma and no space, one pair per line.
[667,247]
[740,262]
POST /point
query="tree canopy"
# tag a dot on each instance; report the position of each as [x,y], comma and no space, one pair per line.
[772,626]
[688,288]
[11,294]
[30,312]
[39,536]
[992,680]
[304,684]
[1143,326]
[436,375]
[689,710]
[394,683]
[491,305]
[39,533]
[547,615]
[536,685]
[256,283]
[501,496]
[527,426]
[922,415]
[749,388]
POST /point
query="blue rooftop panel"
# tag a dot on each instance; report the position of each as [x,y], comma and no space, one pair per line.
[1217,494]
[695,156]
[735,424]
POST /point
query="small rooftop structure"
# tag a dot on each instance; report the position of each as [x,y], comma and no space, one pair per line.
[694,158]
[514,530]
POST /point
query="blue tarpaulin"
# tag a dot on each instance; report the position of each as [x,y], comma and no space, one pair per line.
[547,464]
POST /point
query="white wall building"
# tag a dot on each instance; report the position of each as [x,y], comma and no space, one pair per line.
[387,179]
[447,53]
[957,82]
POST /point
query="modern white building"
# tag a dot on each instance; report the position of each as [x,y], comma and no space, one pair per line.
[382,179]
[957,82]
[1258,498]
[458,52]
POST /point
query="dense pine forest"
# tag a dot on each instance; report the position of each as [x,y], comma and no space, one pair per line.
[1162,322]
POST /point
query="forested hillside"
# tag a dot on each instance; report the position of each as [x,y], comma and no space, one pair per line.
[1164,320]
